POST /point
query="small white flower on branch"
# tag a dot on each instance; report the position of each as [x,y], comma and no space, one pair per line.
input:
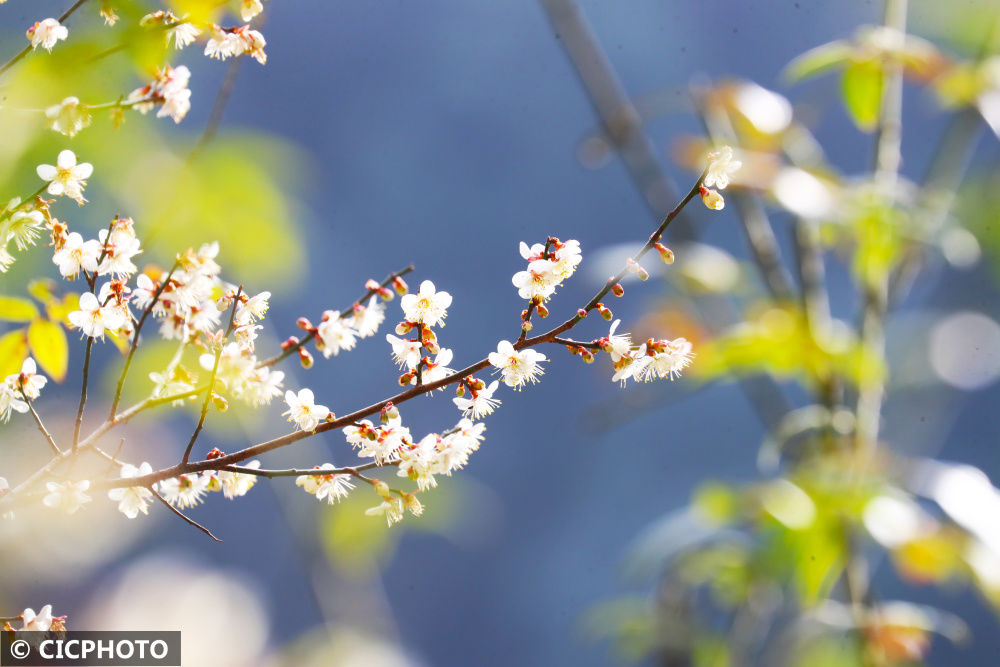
[721,166]
[46,33]
[40,622]
[428,306]
[334,334]
[518,367]
[76,254]
[183,491]
[68,117]
[480,404]
[303,410]
[93,318]
[133,499]
[66,496]
[66,177]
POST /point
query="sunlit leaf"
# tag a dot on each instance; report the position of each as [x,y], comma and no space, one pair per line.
[13,309]
[13,352]
[818,60]
[49,347]
[862,90]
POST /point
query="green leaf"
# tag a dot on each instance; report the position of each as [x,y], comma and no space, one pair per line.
[818,60]
[49,347]
[13,309]
[13,352]
[862,88]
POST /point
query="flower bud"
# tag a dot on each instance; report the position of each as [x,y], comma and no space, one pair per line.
[219,402]
[406,378]
[542,310]
[460,390]
[605,312]
[403,328]
[581,313]
[304,324]
[618,290]
[382,489]
[712,199]
[305,358]
[526,326]
[400,286]
[372,285]
[385,293]
[573,349]
[290,342]
[215,453]
[666,254]
[389,412]
[477,384]
[587,355]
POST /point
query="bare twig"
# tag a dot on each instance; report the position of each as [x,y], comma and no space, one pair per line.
[186,518]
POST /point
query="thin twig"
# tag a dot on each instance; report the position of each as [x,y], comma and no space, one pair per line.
[135,339]
[211,379]
[347,312]
[26,50]
[38,421]
[186,518]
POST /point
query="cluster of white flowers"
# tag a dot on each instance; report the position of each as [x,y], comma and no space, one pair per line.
[421,312]
[169,89]
[180,32]
[331,487]
[189,490]
[20,386]
[340,331]
[548,266]
[228,42]
[654,359]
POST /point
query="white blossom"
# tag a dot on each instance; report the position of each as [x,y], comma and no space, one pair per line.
[40,622]
[46,33]
[68,117]
[480,405]
[303,410]
[721,166]
[76,254]
[66,177]
[391,508]
[518,367]
[133,499]
[183,491]
[428,306]
[93,318]
[334,334]
[367,319]
[236,484]
[66,496]
[404,352]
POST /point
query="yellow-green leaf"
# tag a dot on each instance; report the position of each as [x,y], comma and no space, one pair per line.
[818,60]
[13,352]
[13,309]
[862,88]
[49,347]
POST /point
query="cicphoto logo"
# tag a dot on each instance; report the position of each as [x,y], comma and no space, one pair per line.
[111,649]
